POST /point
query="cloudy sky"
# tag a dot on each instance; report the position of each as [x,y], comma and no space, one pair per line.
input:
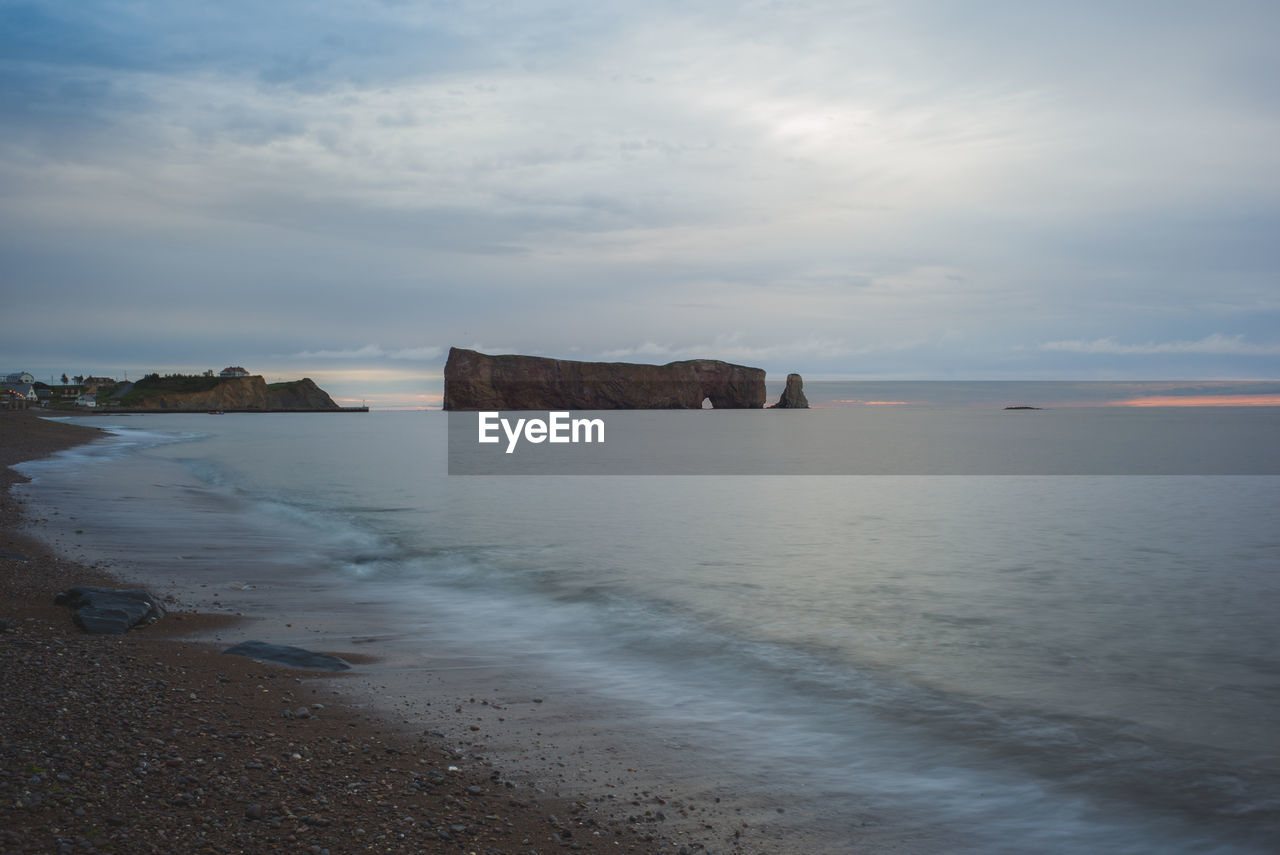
[894,189]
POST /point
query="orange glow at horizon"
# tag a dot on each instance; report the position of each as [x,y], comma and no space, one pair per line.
[394,401]
[875,403]
[1202,401]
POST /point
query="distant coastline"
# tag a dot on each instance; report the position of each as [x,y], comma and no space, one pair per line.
[233,389]
[135,411]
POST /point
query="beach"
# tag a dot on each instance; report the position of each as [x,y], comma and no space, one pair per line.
[846,665]
[153,742]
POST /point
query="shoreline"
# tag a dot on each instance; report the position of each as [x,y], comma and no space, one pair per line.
[154,742]
[135,411]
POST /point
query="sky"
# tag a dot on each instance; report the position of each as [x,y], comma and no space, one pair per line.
[906,189]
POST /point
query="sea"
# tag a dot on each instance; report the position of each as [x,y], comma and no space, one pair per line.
[843,663]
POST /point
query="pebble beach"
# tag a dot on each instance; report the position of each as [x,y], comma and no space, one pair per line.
[154,742]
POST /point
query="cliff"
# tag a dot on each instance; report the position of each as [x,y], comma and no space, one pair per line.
[234,393]
[301,394]
[476,381]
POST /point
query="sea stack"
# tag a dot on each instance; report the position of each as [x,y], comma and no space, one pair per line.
[793,396]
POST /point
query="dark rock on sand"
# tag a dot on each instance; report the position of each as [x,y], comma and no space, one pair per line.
[283,654]
[793,396]
[110,611]
[477,381]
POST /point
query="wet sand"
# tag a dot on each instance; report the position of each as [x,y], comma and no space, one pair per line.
[154,742]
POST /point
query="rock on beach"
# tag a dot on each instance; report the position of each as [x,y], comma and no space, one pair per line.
[110,611]
[283,654]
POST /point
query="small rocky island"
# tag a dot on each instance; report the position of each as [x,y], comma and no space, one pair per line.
[793,396]
[477,381]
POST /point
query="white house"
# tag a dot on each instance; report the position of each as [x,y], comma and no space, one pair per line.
[233,371]
[18,396]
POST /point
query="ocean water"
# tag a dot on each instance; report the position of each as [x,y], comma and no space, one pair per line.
[899,663]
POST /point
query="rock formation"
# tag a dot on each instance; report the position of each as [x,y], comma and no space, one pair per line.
[242,393]
[476,381]
[301,394]
[793,396]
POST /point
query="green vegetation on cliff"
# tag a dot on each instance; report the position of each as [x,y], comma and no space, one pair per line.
[301,394]
[153,385]
[189,392]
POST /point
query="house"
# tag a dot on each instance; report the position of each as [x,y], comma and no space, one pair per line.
[87,400]
[233,371]
[18,396]
[19,377]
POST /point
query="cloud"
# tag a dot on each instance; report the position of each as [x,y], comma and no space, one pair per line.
[416,353]
[1234,345]
[736,347]
[648,349]
[888,188]
[371,351]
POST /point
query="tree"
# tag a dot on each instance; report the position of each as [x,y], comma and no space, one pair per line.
[64,378]
[79,378]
